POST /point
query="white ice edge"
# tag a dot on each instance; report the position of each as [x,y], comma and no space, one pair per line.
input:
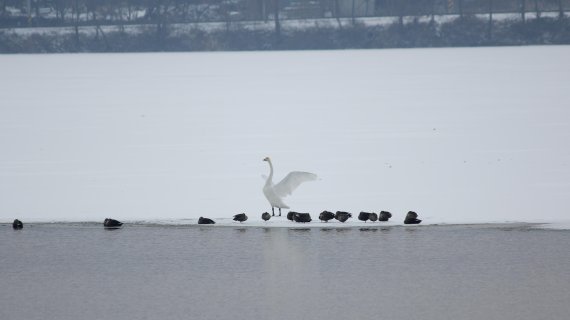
[282,222]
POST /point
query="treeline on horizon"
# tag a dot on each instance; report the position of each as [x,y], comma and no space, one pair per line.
[52,13]
[43,13]
[158,31]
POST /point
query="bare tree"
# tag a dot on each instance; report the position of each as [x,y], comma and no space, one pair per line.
[400,8]
[92,7]
[537,8]
[277,22]
[490,27]
[76,11]
[337,13]
[60,7]
[432,11]
[352,12]
[130,9]
[256,9]
[523,10]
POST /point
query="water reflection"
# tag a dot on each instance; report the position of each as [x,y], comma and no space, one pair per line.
[411,230]
[289,265]
[281,273]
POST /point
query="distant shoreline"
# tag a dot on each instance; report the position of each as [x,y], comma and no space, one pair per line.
[310,34]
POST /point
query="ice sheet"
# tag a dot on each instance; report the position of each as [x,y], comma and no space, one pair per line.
[457,135]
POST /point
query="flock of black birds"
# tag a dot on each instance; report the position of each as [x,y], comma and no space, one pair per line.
[108,224]
[342,216]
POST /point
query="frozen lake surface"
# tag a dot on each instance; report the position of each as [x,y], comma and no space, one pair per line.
[458,135]
[158,140]
[82,271]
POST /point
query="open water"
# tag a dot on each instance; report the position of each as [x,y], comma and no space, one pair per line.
[82,271]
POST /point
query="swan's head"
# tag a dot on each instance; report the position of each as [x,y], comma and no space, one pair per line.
[266,159]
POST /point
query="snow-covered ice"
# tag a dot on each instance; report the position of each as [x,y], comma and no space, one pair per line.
[465,135]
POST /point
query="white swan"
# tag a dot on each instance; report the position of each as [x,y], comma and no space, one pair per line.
[285,187]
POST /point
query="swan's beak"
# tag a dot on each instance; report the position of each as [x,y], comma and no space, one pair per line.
[266,159]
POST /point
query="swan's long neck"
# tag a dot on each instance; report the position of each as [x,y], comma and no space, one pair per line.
[270,178]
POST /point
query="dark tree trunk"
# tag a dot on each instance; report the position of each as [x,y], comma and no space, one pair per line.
[76,22]
[432,8]
[490,27]
[101,35]
[337,13]
[400,8]
[537,9]
[523,11]
[353,9]
[37,8]
[277,23]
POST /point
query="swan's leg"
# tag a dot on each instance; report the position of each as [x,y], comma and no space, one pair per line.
[273,211]
[280,212]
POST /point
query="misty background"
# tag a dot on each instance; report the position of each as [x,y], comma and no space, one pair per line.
[37,26]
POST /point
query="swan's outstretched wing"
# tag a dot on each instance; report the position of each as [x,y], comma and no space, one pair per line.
[286,186]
